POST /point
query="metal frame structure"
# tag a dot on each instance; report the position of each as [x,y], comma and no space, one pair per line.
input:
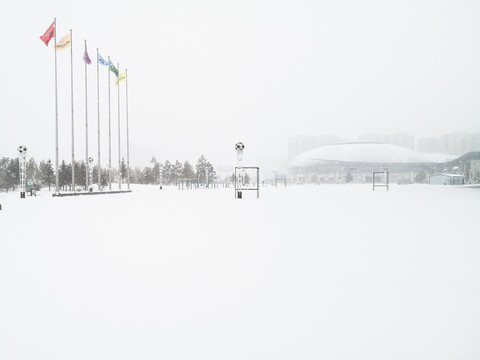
[381,184]
[239,187]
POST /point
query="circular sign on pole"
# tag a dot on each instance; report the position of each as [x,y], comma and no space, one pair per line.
[22,150]
[239,146]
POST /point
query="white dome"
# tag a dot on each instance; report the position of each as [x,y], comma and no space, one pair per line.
[361,152]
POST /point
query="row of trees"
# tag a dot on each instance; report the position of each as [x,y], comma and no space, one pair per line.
[43,174]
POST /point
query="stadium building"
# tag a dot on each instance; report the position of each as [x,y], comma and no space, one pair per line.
[355,162]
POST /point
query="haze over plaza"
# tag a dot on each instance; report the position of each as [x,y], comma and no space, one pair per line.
[204,75]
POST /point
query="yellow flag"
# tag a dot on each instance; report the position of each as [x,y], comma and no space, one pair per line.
[64,43]
[121,77]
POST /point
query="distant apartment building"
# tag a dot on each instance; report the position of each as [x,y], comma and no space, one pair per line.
[474,142]
[430,145]
[403,139]
[456,143]
[400,139]
[301,143]
[475,171]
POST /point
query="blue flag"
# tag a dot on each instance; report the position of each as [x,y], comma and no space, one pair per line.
[102,61]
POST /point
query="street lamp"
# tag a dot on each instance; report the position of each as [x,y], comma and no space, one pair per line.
[22,153]
[90,160]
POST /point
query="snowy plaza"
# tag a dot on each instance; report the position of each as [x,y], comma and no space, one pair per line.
[303,272]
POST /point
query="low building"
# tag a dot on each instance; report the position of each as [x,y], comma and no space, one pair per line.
[447,179]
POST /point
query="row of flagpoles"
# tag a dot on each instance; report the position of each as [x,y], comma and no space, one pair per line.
[65,43]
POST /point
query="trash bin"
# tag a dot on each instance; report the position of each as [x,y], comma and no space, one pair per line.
[239,195]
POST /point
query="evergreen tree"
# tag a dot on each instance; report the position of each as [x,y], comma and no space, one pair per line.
[13,173]
[123,169]
[204,169]
[3,173]
[64,175]
[187,171]
[155,171]
[136,176]
[212,174]
[32,170]
[147,176]
[176,171]
[167,173]
[201,169]
[47,174]
[80,169]
[103,176]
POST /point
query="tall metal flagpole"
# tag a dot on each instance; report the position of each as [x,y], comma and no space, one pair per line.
[86,129]
[109,136]
[56,109]
[119,152]
[128,144]
[73,127]
[98,116]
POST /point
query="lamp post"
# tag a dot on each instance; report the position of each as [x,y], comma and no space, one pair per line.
[90,160]
[239,147]
[22,153]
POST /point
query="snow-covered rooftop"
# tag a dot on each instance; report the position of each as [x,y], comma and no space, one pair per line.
[366,152]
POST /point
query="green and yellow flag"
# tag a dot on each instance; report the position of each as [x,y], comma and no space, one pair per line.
[114,70]
[121,77]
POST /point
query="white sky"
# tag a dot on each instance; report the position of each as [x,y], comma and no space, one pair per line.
[206,74]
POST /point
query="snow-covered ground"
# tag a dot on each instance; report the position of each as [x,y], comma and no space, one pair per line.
[312,272]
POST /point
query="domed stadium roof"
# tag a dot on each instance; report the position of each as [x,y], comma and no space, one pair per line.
[363,152]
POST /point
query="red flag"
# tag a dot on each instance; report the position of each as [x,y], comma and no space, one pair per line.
[49,34]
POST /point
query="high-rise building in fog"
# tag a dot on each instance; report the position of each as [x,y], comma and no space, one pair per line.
[475,142]
[455,143]
[430,145]
[400,139]
[373,137]
[301,143]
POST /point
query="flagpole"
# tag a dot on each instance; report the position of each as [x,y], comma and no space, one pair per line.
[86,128]
[73,127]
[118,113]
[128,144]
[56,109]
[109,136]
[98,116]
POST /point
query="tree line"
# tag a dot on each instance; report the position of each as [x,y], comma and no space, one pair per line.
[42,174]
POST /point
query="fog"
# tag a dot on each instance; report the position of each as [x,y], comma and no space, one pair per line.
[204,75]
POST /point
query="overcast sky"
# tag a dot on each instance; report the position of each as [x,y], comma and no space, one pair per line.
[203,75]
